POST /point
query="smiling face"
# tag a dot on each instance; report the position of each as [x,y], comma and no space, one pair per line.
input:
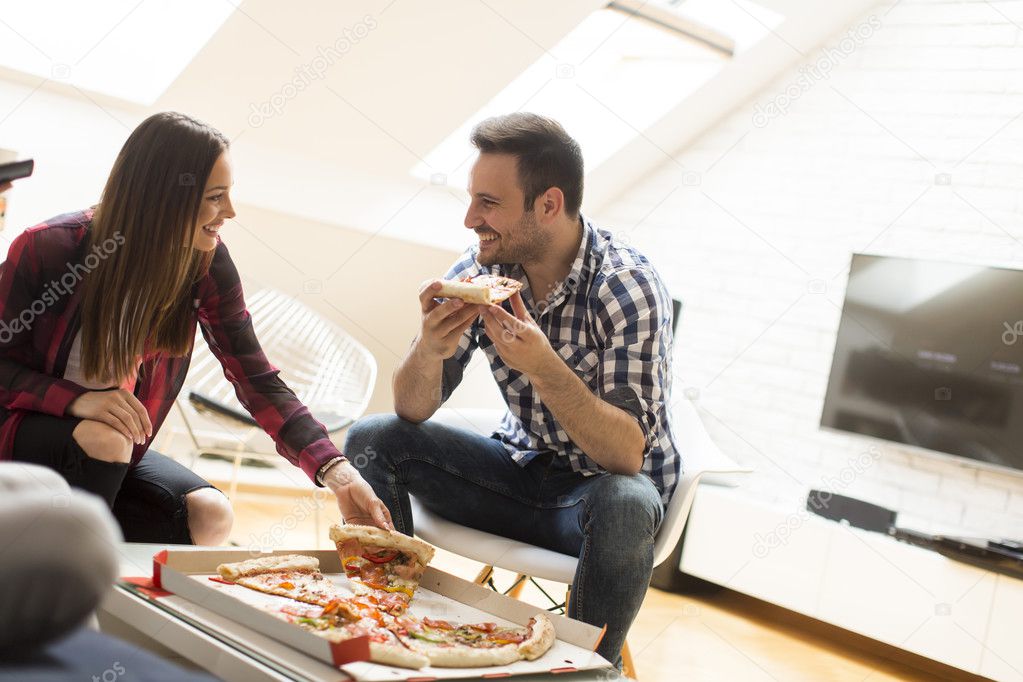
[216,205]
[507,232]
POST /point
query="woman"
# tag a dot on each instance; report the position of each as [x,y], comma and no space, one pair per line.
[98,311]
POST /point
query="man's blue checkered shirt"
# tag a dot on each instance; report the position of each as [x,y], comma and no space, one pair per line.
[610,321]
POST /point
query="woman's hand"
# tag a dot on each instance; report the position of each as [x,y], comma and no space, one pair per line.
[355,497]
[118,409]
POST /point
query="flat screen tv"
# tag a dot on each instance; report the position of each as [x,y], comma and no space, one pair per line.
[930,354]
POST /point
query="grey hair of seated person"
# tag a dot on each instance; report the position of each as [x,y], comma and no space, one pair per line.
[59,549]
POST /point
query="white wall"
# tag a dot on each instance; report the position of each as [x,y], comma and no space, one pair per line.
[366,284]
[754,223]
[74,140]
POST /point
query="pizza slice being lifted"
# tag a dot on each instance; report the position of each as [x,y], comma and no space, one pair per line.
[385,564]
[482,289]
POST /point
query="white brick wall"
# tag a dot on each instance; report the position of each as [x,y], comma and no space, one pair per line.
[750,222]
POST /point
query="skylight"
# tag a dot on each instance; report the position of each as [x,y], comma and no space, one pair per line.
[744,22]
[612,77]
[123,48]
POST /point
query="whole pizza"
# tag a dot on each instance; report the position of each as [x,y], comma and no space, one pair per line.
[384,569]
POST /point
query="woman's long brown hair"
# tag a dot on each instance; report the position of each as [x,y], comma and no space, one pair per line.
[138,298]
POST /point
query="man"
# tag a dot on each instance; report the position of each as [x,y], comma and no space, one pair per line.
[583,461]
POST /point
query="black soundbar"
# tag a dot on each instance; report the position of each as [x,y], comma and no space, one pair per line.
[1001,556]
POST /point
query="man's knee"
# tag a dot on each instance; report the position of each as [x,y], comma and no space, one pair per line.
[376,436]
[210,516]
[628,501]
[102,442]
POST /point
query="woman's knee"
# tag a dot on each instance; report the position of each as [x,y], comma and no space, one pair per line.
[210,516]
[102,442]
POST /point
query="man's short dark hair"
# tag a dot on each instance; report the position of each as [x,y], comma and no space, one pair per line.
[547,156]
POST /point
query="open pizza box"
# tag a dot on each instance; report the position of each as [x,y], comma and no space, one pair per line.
[192,575]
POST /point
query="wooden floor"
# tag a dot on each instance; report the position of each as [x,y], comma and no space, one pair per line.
[722,635]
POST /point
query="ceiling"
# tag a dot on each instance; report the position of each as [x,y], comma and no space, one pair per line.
[362,90]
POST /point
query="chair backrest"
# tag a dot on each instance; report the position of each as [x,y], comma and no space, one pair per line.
[676,314]
[327,369]
[700,456]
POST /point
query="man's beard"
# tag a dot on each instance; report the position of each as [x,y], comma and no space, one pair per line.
[528,245]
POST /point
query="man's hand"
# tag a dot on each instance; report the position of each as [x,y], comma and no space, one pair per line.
[443,323]
[355,497]
[118,409]
[519,340]
[4,186]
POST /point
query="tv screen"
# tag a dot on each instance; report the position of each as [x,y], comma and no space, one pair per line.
[930,354]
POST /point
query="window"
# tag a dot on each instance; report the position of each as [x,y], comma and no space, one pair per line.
[124,48]
[613,76]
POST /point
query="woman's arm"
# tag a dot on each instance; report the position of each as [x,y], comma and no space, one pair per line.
[227,327]
[26,298]
[23,302]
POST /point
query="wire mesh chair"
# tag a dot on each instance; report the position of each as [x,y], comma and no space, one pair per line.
[330,372]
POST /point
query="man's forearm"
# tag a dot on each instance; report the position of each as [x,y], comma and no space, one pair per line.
[417,385]
[608,435]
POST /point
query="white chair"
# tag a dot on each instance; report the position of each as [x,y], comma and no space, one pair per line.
[700,458]
[330,372]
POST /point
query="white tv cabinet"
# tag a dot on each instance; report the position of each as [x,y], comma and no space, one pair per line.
[868,583]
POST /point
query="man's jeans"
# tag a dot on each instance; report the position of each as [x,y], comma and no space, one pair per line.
[608,520]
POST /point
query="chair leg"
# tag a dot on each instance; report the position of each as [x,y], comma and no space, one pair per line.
[316,520]
[520,582]
[236,472]
[628,668]
[484,575]
[196,450]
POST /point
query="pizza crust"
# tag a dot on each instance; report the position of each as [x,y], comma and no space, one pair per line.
[462,656]
[540,640]
[381,652]
[269,564]
[395,654]
[377,537]
[467,291]
[480,289]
